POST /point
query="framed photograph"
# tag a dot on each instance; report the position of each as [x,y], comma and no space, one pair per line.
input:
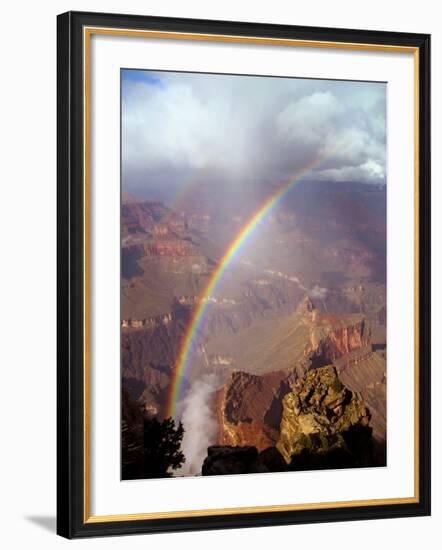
[243,274]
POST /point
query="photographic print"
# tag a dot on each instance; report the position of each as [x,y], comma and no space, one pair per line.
[243,274]
[253,274]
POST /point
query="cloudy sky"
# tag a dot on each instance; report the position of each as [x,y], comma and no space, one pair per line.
[175,125]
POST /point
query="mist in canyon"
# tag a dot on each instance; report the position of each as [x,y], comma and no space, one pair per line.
[200,425]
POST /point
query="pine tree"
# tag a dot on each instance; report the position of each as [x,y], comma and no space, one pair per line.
[162,441]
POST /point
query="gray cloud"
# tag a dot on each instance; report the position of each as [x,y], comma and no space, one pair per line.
[178,124]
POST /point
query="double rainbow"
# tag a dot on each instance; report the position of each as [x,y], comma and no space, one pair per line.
[197,317]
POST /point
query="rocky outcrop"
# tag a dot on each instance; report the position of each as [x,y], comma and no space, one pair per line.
[150,229]
[249,409]
[227,460]
[333,336]
[194,300]
[140,217]
[150,322]
[147,361]
[324,423]
[364,372]
[159,247]
[170,248]
[249,406]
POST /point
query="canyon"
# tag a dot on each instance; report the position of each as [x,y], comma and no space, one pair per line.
[306,294]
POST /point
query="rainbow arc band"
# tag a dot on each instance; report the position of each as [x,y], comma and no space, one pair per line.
[197,317]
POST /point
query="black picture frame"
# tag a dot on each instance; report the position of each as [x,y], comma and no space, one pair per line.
[72,521]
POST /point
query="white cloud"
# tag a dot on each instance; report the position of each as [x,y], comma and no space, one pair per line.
[311,119]
[374,169]
[172,126]
[262,127]
[370,171]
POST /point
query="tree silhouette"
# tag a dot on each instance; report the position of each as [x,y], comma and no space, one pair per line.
[162,441]
[149,448]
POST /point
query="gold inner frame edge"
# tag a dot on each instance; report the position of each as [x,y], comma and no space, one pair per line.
[87,33]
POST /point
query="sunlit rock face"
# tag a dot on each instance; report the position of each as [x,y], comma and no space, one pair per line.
[332,336]
[321,417]
[250,406]
[324,425]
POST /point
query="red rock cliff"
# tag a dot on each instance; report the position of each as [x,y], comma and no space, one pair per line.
[249,409]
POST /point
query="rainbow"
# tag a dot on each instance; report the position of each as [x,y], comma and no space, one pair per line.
[186,345]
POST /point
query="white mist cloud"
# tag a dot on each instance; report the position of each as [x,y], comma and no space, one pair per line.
[199,423]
